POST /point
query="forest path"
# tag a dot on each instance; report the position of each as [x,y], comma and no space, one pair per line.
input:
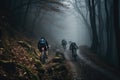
[86,69]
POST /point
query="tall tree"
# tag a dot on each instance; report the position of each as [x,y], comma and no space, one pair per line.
[116,26]
[107,26]
[92,15]
[26,12]
[100,28]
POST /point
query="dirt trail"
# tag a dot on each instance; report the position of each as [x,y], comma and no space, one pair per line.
[86,69]
[74,67]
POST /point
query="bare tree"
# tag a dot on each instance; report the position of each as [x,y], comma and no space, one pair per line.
[116,26]
[26,11]
[91,4]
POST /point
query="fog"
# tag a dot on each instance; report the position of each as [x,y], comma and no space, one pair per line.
[55,26]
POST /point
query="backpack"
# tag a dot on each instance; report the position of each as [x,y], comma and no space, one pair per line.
[42,42]
[73,46]
[64,42]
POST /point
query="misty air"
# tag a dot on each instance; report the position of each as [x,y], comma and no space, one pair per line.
[59,40]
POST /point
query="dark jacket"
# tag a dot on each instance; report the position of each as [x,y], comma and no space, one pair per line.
[73,46]
[42,44]
[64,42]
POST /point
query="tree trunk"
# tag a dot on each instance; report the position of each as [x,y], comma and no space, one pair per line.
[94,46]
[107,27]
[100,26]
[24,18]
[116,26]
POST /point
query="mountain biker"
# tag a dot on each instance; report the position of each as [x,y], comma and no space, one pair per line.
[43,43]
[64,43]
[73,48]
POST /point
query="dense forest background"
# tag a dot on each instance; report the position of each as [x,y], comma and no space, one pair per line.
[103,18]
[100,16]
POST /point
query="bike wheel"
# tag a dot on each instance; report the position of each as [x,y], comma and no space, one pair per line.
[43,58]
